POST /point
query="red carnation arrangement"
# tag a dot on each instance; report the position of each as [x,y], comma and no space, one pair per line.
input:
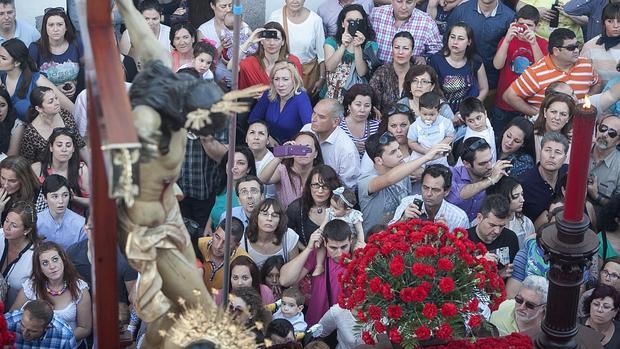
[416,281]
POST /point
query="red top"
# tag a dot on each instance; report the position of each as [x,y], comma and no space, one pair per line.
[252,73]
[517,50]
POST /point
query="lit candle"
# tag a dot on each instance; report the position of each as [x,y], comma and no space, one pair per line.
[581,144]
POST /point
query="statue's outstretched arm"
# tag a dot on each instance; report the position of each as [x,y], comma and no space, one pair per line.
[142,38]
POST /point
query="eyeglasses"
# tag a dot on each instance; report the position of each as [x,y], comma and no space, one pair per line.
[266,214]
[67,130]
[610,131]
[611,276]
[54,9]
[398,108]
[519,300]
[422,82]
[386,138]
[603,306]
[246,192]
[477,145]
[572,47]
[317,186]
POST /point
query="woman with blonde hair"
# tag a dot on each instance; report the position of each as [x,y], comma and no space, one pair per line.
[285,106]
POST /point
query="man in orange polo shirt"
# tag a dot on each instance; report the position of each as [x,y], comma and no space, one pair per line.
[212,248]
[561,64]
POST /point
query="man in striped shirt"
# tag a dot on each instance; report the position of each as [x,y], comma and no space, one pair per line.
[561,64]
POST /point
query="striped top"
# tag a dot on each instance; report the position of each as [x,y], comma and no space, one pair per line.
[532,83]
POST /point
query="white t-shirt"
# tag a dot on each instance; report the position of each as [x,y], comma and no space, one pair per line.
[309,36]
[289,240]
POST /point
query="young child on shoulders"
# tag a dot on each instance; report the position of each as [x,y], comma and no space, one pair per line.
[478,125]
[341,207]
[429,129]
[291,309]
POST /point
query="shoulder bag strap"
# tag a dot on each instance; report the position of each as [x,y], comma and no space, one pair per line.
[604,245]
[327,283]
[285,25]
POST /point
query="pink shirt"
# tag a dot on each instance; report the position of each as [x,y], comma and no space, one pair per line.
[289,188]
[318,304]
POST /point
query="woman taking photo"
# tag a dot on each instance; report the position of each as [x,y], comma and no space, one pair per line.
[307,29]
[58,53]
[346,52]
[285,106]
[20,76]
[272,47]
[17,240]
[61,157]
[388,80]
[17,183]
[359,104]
[556,115]
[602,307]
[517,146]
[290,173]
[55,280]
[460,70]
[45,115]
[182,38]
[11,128]
[307,213]
[268,235]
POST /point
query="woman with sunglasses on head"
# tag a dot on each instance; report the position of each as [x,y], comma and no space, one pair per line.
[60,157]
[389,79]
[11,128]
[290,173]
[285,106]
[17,183]
[18,238]
[556,115]
[268,235]
[19,73]
[460,70]
[517,146]
[602,308]
[55,280]
[526,310]
[348,53]
[45,115]
[59,53]
[306,214]
[272,47]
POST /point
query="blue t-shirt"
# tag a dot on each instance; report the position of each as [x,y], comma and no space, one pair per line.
[21,105]
[457,83]
[283,124]
[59,68]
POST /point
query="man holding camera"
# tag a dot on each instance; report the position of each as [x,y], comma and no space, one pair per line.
[436,183]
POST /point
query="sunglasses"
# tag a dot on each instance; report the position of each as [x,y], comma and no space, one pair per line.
[27,207]
[386,138]
[398,108]
[610,131]
[519,300]
[572,47]
[54,9]
[477,145]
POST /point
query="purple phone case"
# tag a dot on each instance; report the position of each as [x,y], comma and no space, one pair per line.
[290,150]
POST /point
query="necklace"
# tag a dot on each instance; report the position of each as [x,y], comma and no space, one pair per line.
[319,209]
[56,293]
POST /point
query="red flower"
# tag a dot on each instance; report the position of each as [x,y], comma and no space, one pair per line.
[446,285]
[375,285]
[449,310]
[444,332]
[419,294]
[361,316]
[429,311]
[374,312]
[386,292]
[359,295]
[420,270]
[394,312]
[379,327]
[397,266]
[445,264]
[395,336]
[474,321]
[425,251]
[367,338]
[473,305]
[423,333]
[446,251]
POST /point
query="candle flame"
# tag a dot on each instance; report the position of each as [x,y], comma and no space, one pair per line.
[586,102]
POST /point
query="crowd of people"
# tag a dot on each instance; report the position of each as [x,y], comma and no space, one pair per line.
[458,112]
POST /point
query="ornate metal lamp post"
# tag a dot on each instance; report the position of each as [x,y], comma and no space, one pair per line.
[569,245]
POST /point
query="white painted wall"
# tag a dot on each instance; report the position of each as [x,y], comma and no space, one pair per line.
[28,10]
[272,5]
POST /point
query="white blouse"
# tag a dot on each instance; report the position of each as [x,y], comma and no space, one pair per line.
[309,36]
